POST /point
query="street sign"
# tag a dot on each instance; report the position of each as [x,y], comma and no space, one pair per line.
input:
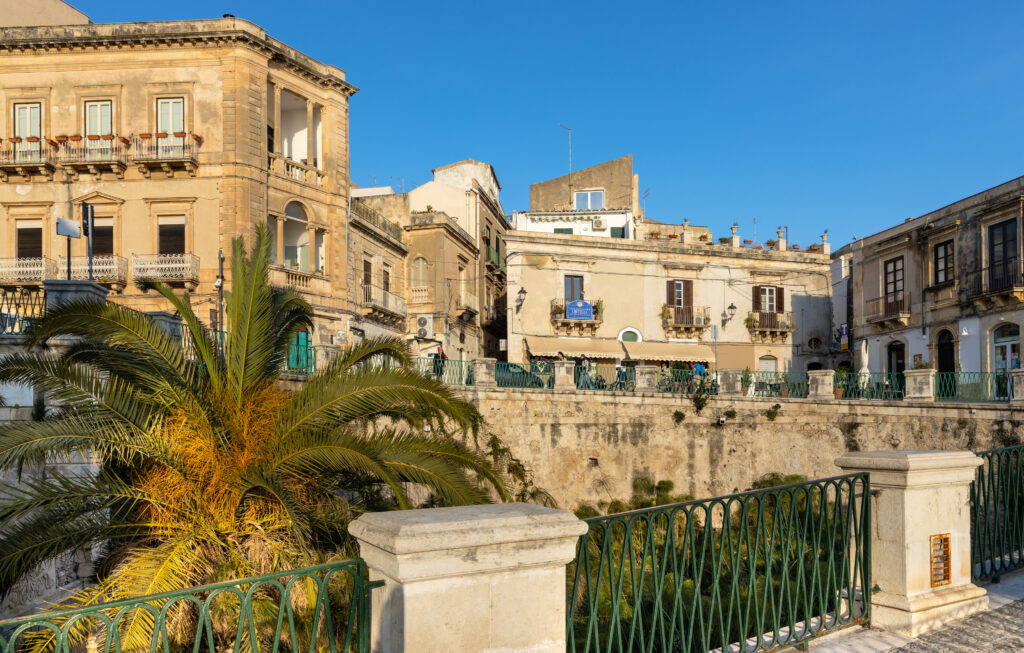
[68,228]
[844,337]
[579,310]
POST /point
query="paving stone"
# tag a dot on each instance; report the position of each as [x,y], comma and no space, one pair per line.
[996,630]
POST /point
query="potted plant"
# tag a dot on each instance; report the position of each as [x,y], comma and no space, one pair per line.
[598,308]
[145,135]
[771,243]
[795,246]
[124,140]
[161,134]
[839,384]
[198,139]
[666,312]
[75,138]
[745,379]
[673,236]
[32,139]
[724,240]
[557,312]
[655,234]
[750,321]
[179,134]
[93,137]
[813,248]
[62,138]
[703,236]
[14,139]
[107,137]
[748,242]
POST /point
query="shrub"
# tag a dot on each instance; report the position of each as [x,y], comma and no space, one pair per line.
[772,414]
[730,414]
[700,399]
[678,417]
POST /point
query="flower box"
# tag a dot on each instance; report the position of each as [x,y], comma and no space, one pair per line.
[61,139]
[124,140]
[32,139]
[161,134]
[107,137]
[796,247]
[748,242]
[93,137]
[179,134]
[673,235]
[703,236]
[75,138]
[15,139]
[52,143]
[198,139]
[146,135]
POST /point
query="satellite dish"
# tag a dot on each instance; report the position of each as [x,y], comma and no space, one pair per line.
[68,228]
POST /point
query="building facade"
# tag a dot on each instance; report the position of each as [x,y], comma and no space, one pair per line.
[944,289]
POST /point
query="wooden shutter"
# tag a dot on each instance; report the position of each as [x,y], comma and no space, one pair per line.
[670,292]
[688,293]
[757,299]
[780,304]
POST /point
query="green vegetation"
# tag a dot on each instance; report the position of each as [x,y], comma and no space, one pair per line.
[771,414]
[210,471]
[678,417]
[730,414]
[700,398]
[646,493]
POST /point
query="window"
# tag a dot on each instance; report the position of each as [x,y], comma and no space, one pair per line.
[487,238]
[419,272]
[29,240]
[103,237]
[573,288]
[680,293]
[28,123]
[385,278]
[367,272]
[618,232]
[630,335]
[894,284]
[97,117]
[767,299]
[171,239]
[1002,255]
[563,230]
[170,119]
[590,200]
[944,262]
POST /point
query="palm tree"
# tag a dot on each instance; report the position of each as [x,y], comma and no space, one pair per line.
[208,469]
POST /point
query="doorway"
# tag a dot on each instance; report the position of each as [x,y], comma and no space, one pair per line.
[945,352]
[897,355]
[1005,356]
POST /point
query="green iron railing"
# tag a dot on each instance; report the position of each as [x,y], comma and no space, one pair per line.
[685,382]
[997,513]
[869,385]
[513,375]
[301,359]
[446,370]
[973,386]
[605,377]
[19,307]
[752,571]
[780,384]
[323,608]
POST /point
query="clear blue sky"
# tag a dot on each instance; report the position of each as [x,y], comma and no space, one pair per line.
[850,116]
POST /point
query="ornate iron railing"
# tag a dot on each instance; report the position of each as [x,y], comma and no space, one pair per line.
[166,267]
[678,381]
[780,384]
[301,359]
[31,150]
[446,370]
[745,572]
[973,386]
[605,377]
[997,513]
[686,315]
[323,608]
[105,269]
[999,277]
[511,375]
[768,321]
[94,151]
[19,306]
[886,386]
[180,146]
[558,309]
[371,216]
[16,270]
[889,306]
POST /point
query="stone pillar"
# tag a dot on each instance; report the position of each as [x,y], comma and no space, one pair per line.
[277,119]
[735,240]
[309,142]
[279,219]
[565,377]
[483,372]
[169,322]
[311,235]
[826,247]
[469,579]
[781,237]
[821,384]
[920,384]
[918,495]
[59,291]
[730,383]
[1017,381]
[646,378]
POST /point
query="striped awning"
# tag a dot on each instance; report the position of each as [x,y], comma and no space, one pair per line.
[572,347]
[669,351]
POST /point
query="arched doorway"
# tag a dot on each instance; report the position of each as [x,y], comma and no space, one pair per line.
[1005,356]
[946,352]
[813,366]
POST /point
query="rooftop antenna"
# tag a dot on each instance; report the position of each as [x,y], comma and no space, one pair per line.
[373,178]
[647,191]
[755,231]
[401,186]
[569,129]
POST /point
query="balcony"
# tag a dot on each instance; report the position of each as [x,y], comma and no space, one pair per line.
[108,270]
[889,312]
[493,259]
[177,269]
[296,170]
[166,152]
[766,327]
[302,281]
[998,285]
[383,305]
[95,155]
[21,270]
[371,217]
[685,321]
[569,322]
[27,157]
[19,307]
[421,295]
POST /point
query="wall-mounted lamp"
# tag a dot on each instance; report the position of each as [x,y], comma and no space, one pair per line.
[728,313]
[520,298]
[963,331]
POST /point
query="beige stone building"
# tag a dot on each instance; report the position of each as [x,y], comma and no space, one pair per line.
[613,285]
[454,230]
[181,135]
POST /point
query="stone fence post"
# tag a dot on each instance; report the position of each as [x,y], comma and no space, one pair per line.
[170,322]
[646,378]
[920,384]
[565,374]
[1017,381]
[59,291]
[920,537]
[821,384]
[483,372]
[730,383]
[469,579]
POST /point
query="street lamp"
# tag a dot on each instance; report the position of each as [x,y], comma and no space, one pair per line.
[520,298]
[728,313]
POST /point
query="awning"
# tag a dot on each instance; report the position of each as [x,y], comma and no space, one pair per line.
[669,351]
[571,347]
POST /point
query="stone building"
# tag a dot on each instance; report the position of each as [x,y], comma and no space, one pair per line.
[181,135]
[454,230]
[614,285]
[942,289]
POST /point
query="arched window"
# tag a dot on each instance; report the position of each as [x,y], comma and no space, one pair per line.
[630,335]
[420,272]
[946,352]
[768,364]
[299,253]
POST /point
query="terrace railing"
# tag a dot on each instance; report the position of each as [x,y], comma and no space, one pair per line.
[997,513]
[166,267]
[605,377]
[377,297]
[885,386]
[999,277]
[744,572]
[19,306]
[105,269]
[372,217]
[780,384]
[534,375]
[973,386]
[448,371]
[323,608]
[301,359]
[17,270]
[685,382]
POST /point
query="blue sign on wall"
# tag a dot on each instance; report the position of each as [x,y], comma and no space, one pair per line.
[579,310]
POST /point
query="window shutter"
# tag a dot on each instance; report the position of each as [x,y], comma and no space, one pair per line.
[670,292]
[688,293]
[757,299]
[780,304]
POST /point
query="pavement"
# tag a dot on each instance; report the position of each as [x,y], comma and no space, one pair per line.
[998,629]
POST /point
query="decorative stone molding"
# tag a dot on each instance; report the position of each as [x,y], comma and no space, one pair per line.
[920,384]
[483,373]
[821,384]
[565,372]
[646,378]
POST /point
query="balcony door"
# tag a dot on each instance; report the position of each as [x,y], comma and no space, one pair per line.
[170,119]
[573,288]
[97,124]
[28,123]
[679,297]
[1002,255]
[894,286]
[171,239]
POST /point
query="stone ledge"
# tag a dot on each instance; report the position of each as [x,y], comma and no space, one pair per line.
[916,615]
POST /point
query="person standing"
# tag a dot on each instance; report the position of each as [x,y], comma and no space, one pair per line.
[584,382]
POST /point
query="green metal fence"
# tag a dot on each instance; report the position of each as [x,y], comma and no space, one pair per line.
[973,386]
[19,307]
[301,359]
[446,370]
[780,384]
[752,571]
[605,377]
[873,385]
[685,382]
[997,513]
[512,375]
[323,608]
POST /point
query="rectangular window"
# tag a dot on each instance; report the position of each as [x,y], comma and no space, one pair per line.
[385,278]
[563,230]
[367,272]
[944,262]
[1002,256]
[894,285]
[29,240]
[590,200]
[171,239]
[488,236]
[768,304]
[28,123]
[170,119]
[618,232]
[573,287]
[103,240]
[97,117]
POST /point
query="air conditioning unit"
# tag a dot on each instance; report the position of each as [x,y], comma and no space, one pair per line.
[600,224]
[425,327]
[698,320]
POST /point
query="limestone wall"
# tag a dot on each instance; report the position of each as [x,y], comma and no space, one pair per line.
[589,446]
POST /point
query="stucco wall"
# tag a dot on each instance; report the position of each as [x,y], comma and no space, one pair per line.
[588,447]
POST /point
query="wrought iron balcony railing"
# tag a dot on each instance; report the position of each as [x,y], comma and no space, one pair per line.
[558,311]
[19,306]
[687,316]
[27,156]
[95,155]
[17,270]
[166,152]
[1003,276]
[888,307]
[767,321]
[105,269]
[375,297]
[166,267]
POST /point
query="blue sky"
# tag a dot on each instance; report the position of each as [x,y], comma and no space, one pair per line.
[846,116]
